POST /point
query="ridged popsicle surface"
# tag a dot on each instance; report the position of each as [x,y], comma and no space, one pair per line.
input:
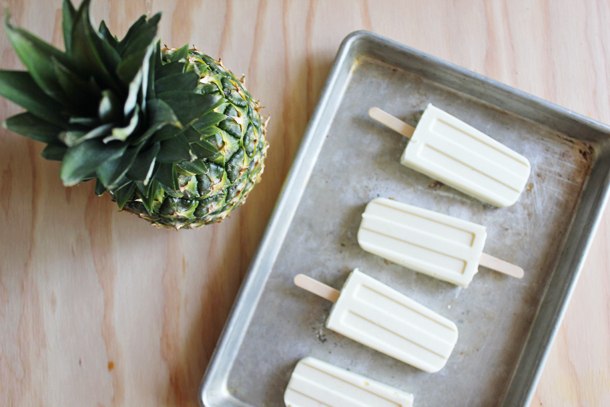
[315,383]
[380,317]
[429,242]
[449,150]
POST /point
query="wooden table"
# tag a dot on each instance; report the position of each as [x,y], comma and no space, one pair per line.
[97,308]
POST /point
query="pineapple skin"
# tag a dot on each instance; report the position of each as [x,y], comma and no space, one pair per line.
[231,174]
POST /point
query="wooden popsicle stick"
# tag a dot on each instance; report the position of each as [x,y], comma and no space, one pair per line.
[500,266]
[392,122]
[316,287]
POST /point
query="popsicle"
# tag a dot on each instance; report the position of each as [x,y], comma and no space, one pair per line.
[449,150]
[441,246]
[370,312]
[315,383]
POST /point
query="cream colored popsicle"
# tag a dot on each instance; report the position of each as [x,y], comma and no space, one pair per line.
[439,245]
[377,316]
[449,150]
[315,383]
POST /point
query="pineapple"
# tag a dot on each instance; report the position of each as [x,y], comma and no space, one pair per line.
[171,134]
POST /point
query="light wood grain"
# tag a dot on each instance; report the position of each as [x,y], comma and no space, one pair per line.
[315,287]
[501,266]
[99,309]
[392,122]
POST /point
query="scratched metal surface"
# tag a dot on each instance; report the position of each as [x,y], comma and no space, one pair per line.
[360,160]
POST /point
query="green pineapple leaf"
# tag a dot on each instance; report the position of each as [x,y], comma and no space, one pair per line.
[85,121]
[107,35]
[189,106]
[175,149]
[54,152]
[72,138]
[130,66]
[180,54]
[166,174]
[20,88]
[167,132]
[111,171]
[133,94]
[85,158]
[208,120]
[140,35]
[155,58]
[100,189]
[124,193]
[86,54]
[184,82]
[38,57]
[110,107]
[144,164]
[67,16]
[153,193]
[33,127]
[170,68]
[131,33]
[196,167]
[203,149]
[191,134]
[160,115]
[82,94]
[144,37]
[122,133]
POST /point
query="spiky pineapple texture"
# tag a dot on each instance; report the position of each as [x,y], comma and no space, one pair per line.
[170,134]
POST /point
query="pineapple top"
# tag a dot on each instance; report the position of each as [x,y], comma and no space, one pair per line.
[123,112]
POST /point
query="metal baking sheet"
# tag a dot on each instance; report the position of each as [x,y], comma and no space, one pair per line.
[506,326]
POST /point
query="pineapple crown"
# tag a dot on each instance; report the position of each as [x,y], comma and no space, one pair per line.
[114,111]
